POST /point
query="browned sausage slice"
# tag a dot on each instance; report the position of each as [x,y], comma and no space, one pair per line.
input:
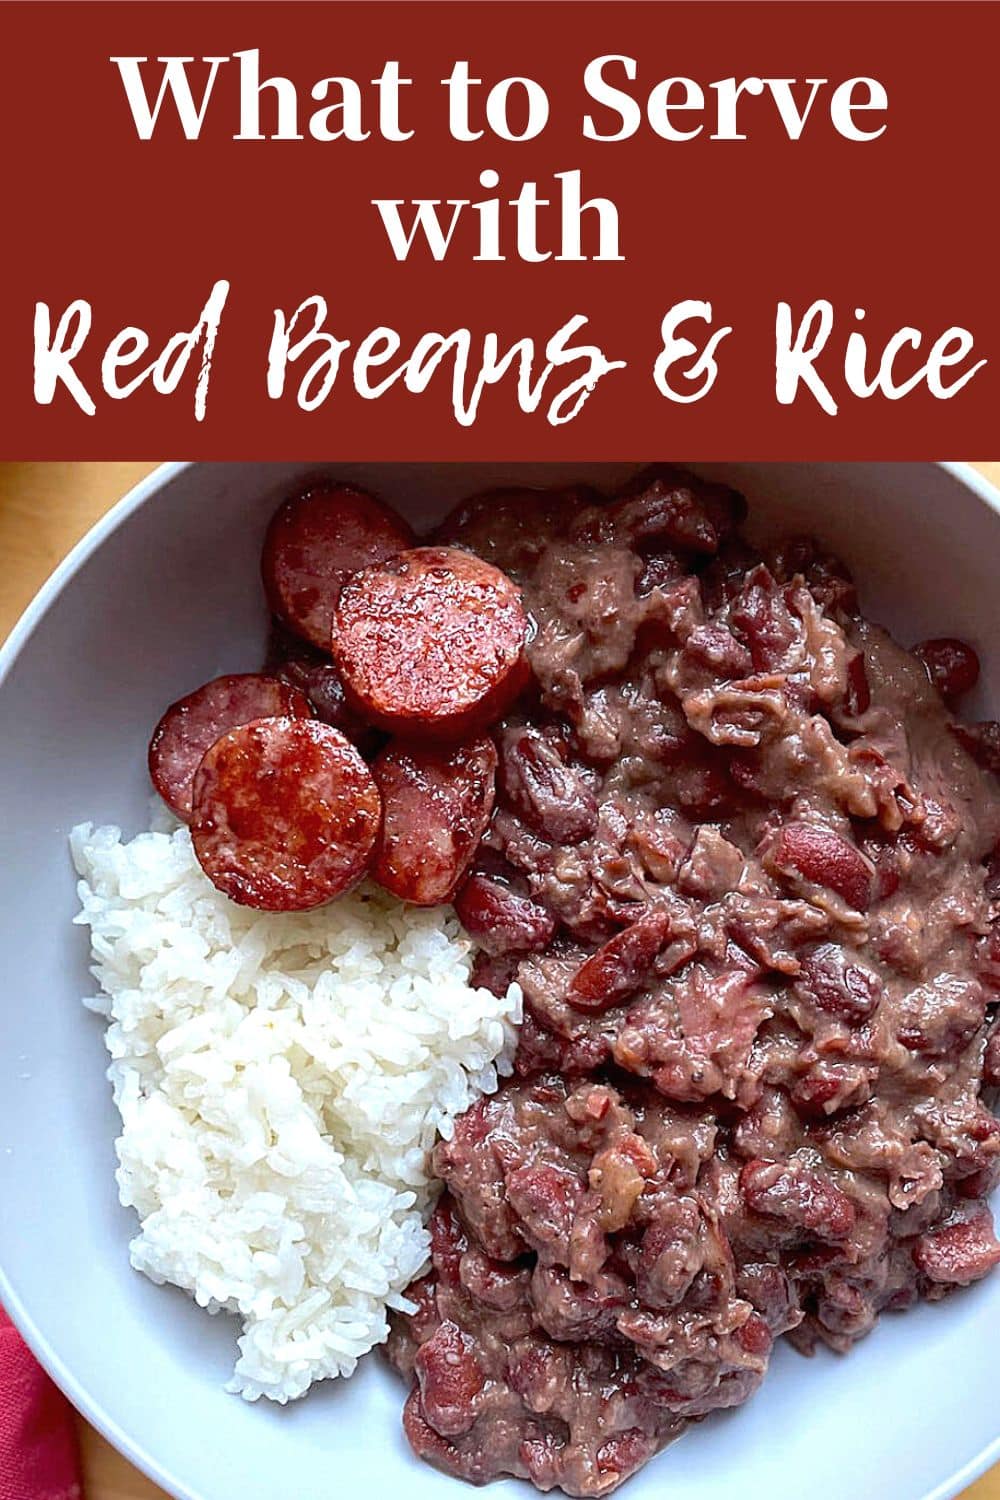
[313,542]
[285,814]
[192,724]
[436,805]
[431,643]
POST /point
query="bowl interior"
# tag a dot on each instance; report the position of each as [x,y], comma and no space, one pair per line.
[171,597]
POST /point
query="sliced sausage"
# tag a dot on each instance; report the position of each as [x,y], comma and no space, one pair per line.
[285,814]
[436,804]
[430,644]
[192,724]
[313,542]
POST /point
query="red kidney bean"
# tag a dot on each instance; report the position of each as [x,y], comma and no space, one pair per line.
[500,920]
[621,966]
[754,1336]
[822,857]
[961,1251]
[450,1379]
[500,1284]
[829,1087]
[571,1310]
[828,579]
[542,1459]
[449,1240]
[941,1016]
[660,503]
[546,1199]
[885,858]
[668,1259]
[767,1287]
[761,618]
[804,1199]
[552,797]
[952,665]
[715,648]
[422,1438]
[625,1452]
[839,985]
[532,1369]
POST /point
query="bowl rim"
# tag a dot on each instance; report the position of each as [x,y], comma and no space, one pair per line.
[89,1408]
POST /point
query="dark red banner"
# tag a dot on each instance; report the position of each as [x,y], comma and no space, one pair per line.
[479,230]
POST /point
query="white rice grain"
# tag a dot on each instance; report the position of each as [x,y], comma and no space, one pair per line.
[281,1079]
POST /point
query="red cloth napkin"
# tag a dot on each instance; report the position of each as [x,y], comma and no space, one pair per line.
[38,1454]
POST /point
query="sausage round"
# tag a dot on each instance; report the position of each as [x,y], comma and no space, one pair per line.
[192,724]
[313,542]
[285,814]
[431,644]
[435,807]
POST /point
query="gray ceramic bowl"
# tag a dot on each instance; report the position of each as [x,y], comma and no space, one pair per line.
[163,594]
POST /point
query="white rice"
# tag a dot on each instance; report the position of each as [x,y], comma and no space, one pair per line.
[280,1080]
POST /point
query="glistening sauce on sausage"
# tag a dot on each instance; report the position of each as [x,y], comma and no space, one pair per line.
[314,541]
[192,724]
[436,803]
[431,644]
[285,814]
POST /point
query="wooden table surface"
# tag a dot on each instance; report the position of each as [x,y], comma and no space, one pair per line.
[44,509]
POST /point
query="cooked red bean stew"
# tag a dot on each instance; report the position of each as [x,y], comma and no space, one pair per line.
[744,864]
